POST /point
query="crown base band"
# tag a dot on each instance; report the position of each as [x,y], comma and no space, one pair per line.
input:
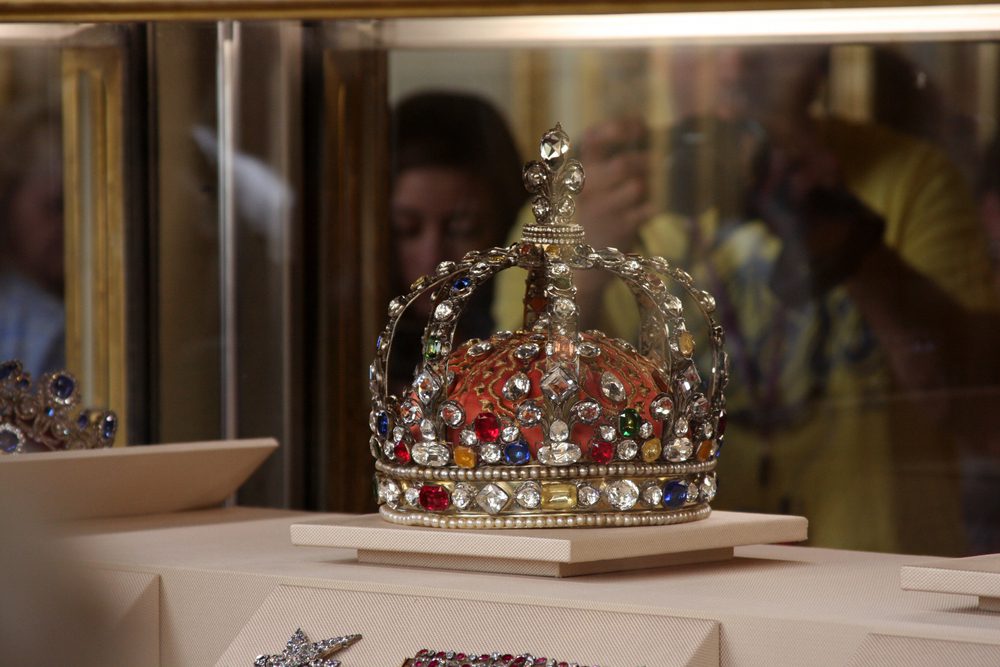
[472,520]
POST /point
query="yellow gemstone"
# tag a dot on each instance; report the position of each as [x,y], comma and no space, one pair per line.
[651,450]
[685,343]
[465,457]
[558,496]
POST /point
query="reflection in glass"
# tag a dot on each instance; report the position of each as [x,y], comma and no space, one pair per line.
[32,319]
[823,196]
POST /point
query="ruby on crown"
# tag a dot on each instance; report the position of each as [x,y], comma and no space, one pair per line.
[552,425]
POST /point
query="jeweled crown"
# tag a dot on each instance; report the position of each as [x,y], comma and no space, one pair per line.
[43,418]
[549,425]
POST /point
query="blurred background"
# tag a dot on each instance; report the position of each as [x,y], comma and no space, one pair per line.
[205,222]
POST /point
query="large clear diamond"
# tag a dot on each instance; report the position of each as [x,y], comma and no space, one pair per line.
[627,449]
[427,386]
[558,384]
[492,498]
[427,431]
[430,454]
[554,144]
[679,450]
[708,488]
[452,414]
[491,452]
[529,495]
[480,348]
[661,407]
[612,387]
[410,412]
[463,496]
[516,387]
[587,411]
[559,430]
[652,495]
[528,413]
[587,495]
[623,494]
[527,351]
[388,491]
[444,310]
[559,454]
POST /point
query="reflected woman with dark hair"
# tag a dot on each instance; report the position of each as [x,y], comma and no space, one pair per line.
[32,320]
[456,187]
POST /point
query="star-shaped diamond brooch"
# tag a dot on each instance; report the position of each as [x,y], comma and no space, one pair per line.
[300,652]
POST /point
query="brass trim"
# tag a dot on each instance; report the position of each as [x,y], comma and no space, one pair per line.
[95,297]
[353,281]
[186,10]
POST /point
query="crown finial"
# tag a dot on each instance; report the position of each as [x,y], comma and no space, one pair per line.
[554,180]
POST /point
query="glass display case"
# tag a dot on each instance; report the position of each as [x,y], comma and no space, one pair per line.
[245,186]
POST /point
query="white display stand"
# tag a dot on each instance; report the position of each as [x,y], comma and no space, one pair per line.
[550,552]
[978,575]
[132,481]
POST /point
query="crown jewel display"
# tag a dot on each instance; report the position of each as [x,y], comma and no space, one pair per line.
[431,658]
[44,420]
[549,425]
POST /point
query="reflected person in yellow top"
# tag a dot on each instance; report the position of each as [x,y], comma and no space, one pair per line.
[849,271]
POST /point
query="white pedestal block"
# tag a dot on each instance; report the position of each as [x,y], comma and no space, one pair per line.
[978,575]
[550,552]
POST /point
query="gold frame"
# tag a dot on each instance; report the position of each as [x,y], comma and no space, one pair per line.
[184,10]
[95,249]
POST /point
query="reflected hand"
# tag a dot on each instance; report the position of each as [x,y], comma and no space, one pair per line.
[615,201]
[825,230]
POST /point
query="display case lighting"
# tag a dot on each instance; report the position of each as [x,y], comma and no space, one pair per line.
[792,25]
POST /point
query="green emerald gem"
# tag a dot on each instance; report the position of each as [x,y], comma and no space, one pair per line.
[433,348]
[628,422]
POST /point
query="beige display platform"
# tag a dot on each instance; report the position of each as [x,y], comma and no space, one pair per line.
[394,626]
[130,481]
[978,575]
[232,585]
[550,552]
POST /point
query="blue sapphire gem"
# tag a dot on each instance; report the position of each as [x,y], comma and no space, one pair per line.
[517,453]
[675,493]
[50,412]
[83,420]
[382,424]
[719,442]
[378,343]
[8,441]
[7,369]
[62,386]
[461,284]
[108,426]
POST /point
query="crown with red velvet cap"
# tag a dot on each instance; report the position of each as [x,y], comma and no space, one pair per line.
[549,425]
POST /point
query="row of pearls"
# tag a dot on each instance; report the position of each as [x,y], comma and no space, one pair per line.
[515,473]
[607,519]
